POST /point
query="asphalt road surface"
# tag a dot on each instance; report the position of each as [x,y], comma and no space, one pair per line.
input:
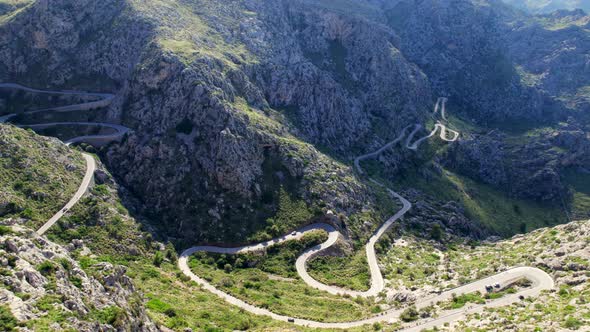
[540,280]
[103,100]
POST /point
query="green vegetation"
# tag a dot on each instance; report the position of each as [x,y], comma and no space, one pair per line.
[277,260]
[37,175]
[413,264]
[172,299]
[567,308]
[410,314]
[350,272]
[463,263]
[4,230]
[158,258]
[7,321]
[291,214]
[178,303]
[53,313]
[579,184]
[288,297]
[46,268]
[109,315]
[189,36]
[488,205]
[460,301]
[291,297]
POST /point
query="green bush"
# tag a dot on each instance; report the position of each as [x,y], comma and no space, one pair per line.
[158,258]
[572,323]
[100,190]
[170,312]
[436,232]
[65,264]
[47,302]
[4,230]
[410,314]
[46,268]
[8,322]
[76,281]
[227,268]
[171,253]
[110,315]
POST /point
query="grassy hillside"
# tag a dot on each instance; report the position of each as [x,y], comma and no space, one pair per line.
[482,203]
[578,182]
[38,175]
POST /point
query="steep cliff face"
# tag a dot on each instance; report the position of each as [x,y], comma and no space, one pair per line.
[461,46]
[231,100]
[70,43]
[552,54]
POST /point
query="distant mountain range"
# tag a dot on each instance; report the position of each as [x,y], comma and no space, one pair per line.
[547,6]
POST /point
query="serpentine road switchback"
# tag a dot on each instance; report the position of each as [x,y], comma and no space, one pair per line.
[103,100]
[540,280]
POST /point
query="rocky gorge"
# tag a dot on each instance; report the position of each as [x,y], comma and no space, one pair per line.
[245,117]
[225,93]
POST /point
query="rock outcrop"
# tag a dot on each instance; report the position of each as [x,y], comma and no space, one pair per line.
[40,276]
[222,96]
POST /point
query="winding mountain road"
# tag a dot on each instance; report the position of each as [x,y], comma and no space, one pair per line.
[439,126]
[86,181]
[540,280]
[103,100]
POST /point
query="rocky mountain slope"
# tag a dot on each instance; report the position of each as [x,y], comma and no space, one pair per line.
[44,287]
[96,269]
[563,251]
[38,175]
[246,116]
[547,6]
[229,101]
[418,267]
[43,284]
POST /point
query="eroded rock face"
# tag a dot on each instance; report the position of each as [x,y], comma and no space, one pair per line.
[29,276]
[53,42]
[200,140]
[529,168]
[211,103]
[461,46]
